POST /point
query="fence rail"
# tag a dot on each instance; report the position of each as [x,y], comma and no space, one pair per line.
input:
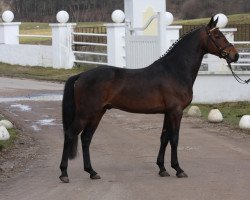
[90,45]
[89,34]
[35,36]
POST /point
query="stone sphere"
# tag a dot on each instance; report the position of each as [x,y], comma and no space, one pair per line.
[6,123]
[62,16]
[194,111]
[7,16]
[215,116]
[245,122]
[4,134]
[169,18]
[118,16]
[222,20]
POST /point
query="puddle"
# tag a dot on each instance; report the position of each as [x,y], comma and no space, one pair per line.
[21,107]
[43,97]
[35,128]
[46,122]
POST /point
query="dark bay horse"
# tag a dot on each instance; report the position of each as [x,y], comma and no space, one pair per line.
[163,87]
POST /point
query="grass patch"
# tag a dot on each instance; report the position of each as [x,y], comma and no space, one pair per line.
[13,136]
[39,73]
[8,143]
[232,112]
[34,28]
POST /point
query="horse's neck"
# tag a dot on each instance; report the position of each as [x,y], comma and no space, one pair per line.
[187,55]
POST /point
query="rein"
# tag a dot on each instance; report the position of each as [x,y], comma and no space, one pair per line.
[237,78]
[225,55]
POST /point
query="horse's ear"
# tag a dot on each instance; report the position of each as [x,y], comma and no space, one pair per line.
[212,24]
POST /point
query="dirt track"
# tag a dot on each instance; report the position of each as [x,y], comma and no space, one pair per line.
[123,152]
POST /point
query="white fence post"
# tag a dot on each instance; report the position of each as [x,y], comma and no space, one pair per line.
[172,34]
[63,56]
[9,33]
[116,44]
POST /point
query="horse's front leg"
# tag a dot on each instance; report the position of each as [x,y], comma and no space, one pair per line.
[175,121]
[165,136]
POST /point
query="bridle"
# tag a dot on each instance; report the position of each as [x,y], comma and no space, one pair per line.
[224,54]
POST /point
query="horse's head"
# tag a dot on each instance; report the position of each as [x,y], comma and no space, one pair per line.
[217,44]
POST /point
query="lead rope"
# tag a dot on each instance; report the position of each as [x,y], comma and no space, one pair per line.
[237,78]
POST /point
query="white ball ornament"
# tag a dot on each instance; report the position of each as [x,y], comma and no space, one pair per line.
[4,134]
[245,122]
[222,20]
[6,123]
[169,18]
[62,16]
[118,16]
[7,16]
[215,116]
[194,111]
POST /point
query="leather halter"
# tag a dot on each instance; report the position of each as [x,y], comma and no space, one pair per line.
[222,53]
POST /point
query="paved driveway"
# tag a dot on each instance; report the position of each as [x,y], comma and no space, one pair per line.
[123,152]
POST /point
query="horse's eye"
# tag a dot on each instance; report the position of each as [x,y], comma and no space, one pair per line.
[217,36]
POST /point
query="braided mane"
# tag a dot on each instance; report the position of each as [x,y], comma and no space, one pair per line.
[179,40]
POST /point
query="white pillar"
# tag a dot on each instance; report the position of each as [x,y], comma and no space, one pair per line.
[162,33]
[116,44]
[172,34]
[63,56]
[9,33]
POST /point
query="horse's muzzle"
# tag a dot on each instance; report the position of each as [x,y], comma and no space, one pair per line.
[236,57]
[232,57]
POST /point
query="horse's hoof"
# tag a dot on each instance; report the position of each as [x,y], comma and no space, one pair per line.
[164,173]
[96,176]
[182,175]
[64,179]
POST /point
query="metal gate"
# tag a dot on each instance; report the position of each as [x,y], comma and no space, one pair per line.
[141,50]
[90,45]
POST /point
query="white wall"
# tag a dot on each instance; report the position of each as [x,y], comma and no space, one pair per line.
[32,55]
[220,87]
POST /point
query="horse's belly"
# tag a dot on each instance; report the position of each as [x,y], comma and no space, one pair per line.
[139,105]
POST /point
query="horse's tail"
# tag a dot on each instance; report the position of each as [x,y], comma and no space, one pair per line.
[68,116]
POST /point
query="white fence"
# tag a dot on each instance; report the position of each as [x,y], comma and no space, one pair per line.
[23,54]
[31,55]
[243,63]
[77,53]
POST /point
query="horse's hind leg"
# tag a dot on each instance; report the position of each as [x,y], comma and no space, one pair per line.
[70,147]
[64,163]
[86,138]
